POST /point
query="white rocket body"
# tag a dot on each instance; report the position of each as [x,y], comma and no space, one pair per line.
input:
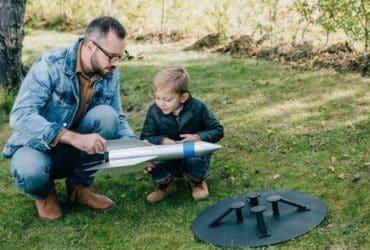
[127,155]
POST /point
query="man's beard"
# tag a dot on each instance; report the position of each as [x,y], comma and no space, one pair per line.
[97,68]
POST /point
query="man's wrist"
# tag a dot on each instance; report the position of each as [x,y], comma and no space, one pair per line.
[56,140]
[68,137]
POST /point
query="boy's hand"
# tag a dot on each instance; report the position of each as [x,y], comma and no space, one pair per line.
[168,141]
[189,137]
[149,168]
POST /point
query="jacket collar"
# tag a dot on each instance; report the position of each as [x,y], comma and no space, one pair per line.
[187,112]
[71,57]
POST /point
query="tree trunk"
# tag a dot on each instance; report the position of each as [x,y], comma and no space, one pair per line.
[11,38]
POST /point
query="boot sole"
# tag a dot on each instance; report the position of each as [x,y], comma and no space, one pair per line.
[49,219]
[155,202]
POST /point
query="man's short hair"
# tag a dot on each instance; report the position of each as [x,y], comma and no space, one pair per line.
[172,76]
[99,28]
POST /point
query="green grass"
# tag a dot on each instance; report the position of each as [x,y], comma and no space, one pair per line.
[309,129]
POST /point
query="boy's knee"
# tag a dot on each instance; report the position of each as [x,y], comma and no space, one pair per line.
[197,167]
[198,162]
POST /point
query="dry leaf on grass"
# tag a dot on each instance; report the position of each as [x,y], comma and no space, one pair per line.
[341,176]
[332,168]
[275,176]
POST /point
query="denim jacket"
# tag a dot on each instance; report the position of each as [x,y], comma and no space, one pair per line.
[49,97]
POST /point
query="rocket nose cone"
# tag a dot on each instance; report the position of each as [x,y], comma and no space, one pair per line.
[206,147]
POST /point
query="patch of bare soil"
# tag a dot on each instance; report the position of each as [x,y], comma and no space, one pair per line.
[168,37]
[206,42]
[243,45]
[340,57]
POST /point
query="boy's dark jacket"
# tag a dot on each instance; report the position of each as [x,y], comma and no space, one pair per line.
[194,118]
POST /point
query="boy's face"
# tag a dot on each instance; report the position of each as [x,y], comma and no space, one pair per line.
[168,100]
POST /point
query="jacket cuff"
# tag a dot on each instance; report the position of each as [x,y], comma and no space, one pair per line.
[202,136]
[51,132]
[156,140]
[56,139]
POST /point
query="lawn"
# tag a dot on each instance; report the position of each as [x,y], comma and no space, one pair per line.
[306,131]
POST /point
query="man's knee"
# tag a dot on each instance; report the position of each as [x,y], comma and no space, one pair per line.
[102,119]
[31,170]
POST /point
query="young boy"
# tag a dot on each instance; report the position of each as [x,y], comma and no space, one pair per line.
[177,117]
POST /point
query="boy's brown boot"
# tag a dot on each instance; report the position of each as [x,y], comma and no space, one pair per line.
[48,208]
[199,188]
[164,189]
[87,196]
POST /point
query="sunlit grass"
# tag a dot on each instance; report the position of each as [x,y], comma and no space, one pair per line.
[36,42]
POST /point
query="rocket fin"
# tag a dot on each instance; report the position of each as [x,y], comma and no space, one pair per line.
[121,166]
[126,143]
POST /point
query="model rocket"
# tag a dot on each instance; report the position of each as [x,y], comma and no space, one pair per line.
[122,153]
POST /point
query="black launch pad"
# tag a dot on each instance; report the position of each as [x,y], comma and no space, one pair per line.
[259,219]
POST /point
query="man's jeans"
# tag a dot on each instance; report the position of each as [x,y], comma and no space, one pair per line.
[34,170]
[196,167]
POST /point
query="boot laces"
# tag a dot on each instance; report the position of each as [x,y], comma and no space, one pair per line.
[195,184]
[91,189]
[162,186]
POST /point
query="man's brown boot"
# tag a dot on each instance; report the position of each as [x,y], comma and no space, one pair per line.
[164,189]
[48,208]
[199,188]
[86,195]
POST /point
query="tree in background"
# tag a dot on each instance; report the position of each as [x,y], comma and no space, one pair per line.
[11,38]
[350,16]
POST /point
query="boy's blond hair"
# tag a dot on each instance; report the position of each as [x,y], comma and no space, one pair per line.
[172,76]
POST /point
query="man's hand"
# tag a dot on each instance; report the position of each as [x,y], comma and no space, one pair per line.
[189,137]
[89,143]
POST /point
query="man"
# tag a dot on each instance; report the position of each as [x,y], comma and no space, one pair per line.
[67,108]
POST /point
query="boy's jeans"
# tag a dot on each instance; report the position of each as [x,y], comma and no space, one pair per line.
[34,170]
[196,167]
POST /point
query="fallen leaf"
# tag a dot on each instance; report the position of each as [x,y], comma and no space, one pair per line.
[332,168]
[341,176]
[276,176]
[269,131]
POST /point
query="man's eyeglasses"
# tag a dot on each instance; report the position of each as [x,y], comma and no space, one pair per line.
[112,58]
